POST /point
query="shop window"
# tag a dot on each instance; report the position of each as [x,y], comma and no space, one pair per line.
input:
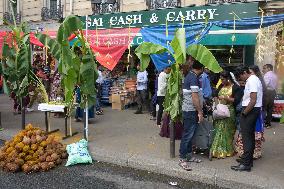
[8,8]
[226,58]
[161,4]
[105,6]
[52,10]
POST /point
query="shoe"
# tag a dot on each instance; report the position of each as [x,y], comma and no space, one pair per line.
[241,168]
[267,126]
[30,109]
[138,112]
[239,160]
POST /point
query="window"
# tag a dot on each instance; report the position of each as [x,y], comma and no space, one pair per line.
[52,10]
[161,4]
[8,7]
[105,6]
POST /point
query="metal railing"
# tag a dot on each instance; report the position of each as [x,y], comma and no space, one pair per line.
[54,12]
[161,4]
[8,17]
[105,6]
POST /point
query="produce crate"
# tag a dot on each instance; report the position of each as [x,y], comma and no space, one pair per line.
[278,108]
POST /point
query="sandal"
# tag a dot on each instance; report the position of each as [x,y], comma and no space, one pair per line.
[194,160]
[183,164]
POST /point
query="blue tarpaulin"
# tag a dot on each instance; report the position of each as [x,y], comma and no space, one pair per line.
[196,32]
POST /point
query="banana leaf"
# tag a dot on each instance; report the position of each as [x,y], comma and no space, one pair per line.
[179,46]
[205,57]
[144,50]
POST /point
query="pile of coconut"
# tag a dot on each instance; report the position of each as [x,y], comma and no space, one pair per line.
[32,150]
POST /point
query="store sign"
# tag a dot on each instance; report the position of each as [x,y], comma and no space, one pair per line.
[170,16]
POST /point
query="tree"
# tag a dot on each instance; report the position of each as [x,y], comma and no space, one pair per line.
[173,99]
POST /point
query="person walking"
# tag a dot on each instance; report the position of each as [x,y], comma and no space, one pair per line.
[99,83]
[270,80]
[161,93]
[252,103]
[142,82]
[192,113]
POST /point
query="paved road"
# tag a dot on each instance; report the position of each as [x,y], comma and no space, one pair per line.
[98,176]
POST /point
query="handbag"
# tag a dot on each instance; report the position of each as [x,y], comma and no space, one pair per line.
[221,111]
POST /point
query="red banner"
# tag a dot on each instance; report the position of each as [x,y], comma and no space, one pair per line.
[109,45]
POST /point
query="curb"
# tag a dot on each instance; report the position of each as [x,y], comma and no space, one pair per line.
[205,175]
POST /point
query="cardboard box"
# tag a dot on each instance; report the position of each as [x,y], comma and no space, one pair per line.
[115,98]
[118,106]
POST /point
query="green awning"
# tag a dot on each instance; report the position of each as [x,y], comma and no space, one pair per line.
[226,39]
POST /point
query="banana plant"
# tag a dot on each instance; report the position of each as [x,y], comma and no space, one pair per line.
[16,63]
[76,68]
[179,51]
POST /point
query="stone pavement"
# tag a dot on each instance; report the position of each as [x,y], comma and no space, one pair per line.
[126,139]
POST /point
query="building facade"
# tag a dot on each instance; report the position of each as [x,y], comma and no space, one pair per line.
[53,11]
[43,15]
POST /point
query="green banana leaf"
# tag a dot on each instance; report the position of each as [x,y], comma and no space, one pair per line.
[144,50]
[179,46]
[205,57]
[52,44]
[70,25]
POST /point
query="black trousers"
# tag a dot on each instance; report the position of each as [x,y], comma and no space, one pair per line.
[142,100]
[247,124]
[268,106]
[160,100]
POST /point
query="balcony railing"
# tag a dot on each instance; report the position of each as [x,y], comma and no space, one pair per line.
[225,1]
[8,17]
[161,4]
[54,12]
[105,6]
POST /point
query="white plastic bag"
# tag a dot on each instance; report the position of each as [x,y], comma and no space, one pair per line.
[78,153]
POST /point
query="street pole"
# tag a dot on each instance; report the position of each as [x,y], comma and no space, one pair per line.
[172,139]
[86,123]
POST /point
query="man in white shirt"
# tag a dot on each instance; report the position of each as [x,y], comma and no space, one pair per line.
[161,93]
[271,81]
[99,83]
[252,103]
[142,86]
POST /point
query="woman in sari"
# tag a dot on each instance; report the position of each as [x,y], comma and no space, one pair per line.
[222,145]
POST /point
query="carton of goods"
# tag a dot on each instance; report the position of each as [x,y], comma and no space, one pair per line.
[118,106]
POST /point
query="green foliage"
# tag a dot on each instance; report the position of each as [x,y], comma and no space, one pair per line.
[179,46]
[205,57]
[144,50]
[173,97]
[76,67]
[16,62]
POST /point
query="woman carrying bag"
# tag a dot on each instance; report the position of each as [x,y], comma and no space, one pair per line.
[225,127]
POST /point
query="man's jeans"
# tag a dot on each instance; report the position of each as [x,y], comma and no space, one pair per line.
[190,123]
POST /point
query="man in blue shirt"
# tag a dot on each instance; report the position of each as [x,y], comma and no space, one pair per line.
[192,113]
[205,85]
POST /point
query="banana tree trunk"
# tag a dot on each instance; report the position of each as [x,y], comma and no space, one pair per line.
[172,139]
[23,113]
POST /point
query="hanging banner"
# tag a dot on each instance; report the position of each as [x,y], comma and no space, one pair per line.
[172,16]
[109,45]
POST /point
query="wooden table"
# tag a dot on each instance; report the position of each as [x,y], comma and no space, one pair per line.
[56,108]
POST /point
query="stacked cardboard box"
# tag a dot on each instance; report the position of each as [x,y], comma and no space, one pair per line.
[122,96]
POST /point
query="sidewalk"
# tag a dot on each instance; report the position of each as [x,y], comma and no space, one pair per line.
[126,139]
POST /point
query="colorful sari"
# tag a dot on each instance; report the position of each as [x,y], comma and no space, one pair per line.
[259,138]
[222,145]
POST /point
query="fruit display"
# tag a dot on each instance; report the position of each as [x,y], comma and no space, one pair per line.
[278,108]
[32,150]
